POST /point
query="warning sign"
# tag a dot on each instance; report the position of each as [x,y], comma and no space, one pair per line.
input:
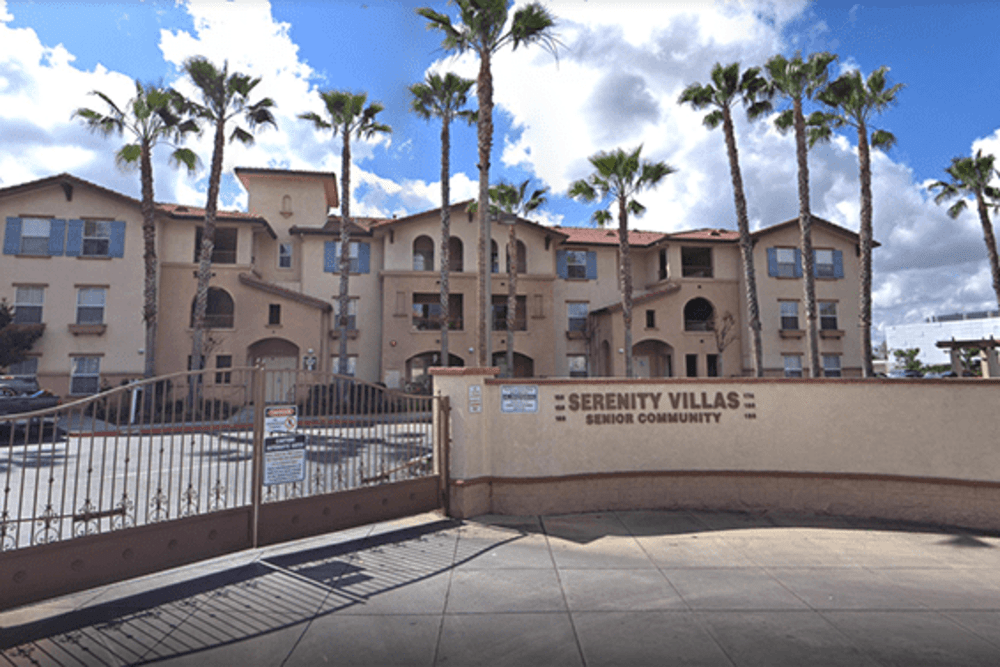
[281,418]
[284,459]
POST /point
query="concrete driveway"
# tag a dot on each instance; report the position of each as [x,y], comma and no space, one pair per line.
[614,588]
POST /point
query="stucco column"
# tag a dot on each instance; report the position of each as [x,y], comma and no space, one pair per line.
[956,361]
[991,369]
[472,411]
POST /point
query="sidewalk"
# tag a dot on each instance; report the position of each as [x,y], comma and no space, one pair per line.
[615,588]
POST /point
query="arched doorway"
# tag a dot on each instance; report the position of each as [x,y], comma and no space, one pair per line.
[524,367]
[281,358]
[418,380]
[652,359]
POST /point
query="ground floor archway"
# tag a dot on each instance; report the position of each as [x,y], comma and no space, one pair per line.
[276,354]
[652,359]
[418,380]
[524,366]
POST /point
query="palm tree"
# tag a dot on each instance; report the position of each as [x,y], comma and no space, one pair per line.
[149,120]
[798,80]
[348,115]
[854,101]
[444,98]
[224,96]
[483,30]
[729,86]
[620,176]
[972,176]
[509,204]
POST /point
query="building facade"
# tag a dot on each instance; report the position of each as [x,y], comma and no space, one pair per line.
[73,261]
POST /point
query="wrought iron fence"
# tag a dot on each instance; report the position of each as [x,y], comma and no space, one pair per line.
[193,442]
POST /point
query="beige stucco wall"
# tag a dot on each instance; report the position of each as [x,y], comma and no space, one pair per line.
[121,344]
[920,431]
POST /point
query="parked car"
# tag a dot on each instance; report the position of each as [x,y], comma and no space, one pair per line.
[19,394]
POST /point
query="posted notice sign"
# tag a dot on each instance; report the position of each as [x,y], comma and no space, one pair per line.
[519,398]
[281,418]
[284,459]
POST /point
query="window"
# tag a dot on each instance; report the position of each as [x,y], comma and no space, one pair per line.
[27,369]
[224,251]
[223,361]
[35,236]
[286,205]
[577,364]
[423,254]
[696,262]
[577,316]
[218,311]
[28,304]
[793,365]
[86,375]
[358,257]
[90,305]
[785,261]
[274,313]
[789,315]
[712,365]
[824,264]
[698,315]
[691,361]
[352,313]
[352,365]
[500,313]
[427,311]
[494,257]
[576,264]
[831,365]
[650,319]
[455,250]
[662,275]
[522,258]
[828,315]
[284,255]
[96,238]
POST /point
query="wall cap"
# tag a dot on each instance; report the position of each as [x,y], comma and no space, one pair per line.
[463,370]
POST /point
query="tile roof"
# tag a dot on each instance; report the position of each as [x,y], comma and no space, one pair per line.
[607,236]
[182,212]
[707,235]
[251,280]
[666,290]
[67,181]
[328,178]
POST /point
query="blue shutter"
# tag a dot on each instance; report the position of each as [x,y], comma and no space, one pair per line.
[57,236]
[798,263]
[838,264]
[772,262]
[12,237]
[591,265]
[74,238]
[562,269]
[330,257]
[117,246]
[364,257]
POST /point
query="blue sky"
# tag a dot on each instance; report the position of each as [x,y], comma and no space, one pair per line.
[615,84]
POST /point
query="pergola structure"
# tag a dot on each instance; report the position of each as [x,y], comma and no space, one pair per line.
[988,352]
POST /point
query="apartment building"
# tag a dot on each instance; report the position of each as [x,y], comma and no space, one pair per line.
[73,261]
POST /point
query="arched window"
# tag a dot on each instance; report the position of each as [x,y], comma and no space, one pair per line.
[494,257]
[455,250]
[219,312]
[286,205]
[698,315]
[522,258]
[423,254]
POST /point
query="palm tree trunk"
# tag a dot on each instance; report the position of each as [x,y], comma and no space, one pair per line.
[149,260]
[865,241]
[484,91]
[445,234]
[805,226]
[511,297]
[626,283]
[345,247]
[991,243]
[746,245]
[207,244]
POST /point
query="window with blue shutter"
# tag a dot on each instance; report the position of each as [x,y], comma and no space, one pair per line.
[828,263]
[330,257]
[57,236]
[74,238]
[117,245]
[784,263]
[591,265]
[12,237]
[576,264]
[561,269]
[838,264]
[364,257]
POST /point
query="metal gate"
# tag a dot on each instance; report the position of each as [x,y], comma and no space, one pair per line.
[172,470]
